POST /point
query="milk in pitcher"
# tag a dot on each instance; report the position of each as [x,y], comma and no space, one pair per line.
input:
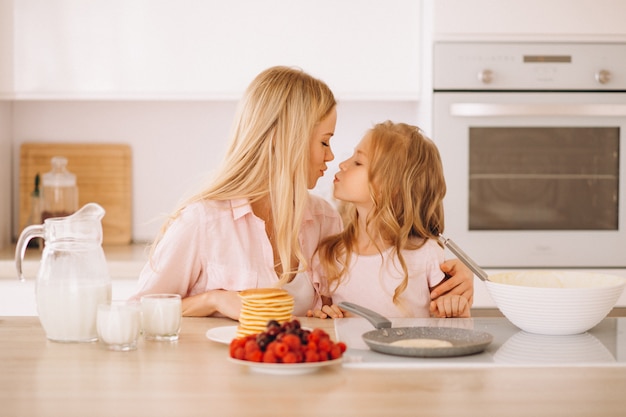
[68,311]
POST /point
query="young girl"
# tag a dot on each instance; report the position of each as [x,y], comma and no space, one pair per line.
[387,258]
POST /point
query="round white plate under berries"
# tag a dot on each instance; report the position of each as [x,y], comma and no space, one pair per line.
[225,334]
[285,368]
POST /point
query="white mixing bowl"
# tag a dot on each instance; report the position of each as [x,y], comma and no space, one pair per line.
[555,302]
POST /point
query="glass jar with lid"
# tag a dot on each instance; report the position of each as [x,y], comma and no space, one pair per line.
[59,190]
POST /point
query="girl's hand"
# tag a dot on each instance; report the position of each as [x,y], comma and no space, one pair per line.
[450,305]
[327,311]
[460,281]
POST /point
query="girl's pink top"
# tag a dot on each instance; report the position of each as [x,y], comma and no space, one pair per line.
[223,245]
[372,280]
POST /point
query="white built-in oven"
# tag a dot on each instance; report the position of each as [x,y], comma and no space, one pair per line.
[533,142]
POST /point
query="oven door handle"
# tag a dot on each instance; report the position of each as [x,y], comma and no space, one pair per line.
[536,109]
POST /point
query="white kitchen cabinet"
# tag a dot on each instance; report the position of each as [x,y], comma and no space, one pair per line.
[211,49]
[572,20]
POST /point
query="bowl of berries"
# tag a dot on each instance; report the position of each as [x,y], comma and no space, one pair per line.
[286,349]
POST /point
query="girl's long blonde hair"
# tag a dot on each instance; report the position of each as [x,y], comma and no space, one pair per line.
[407,187]
[268,153]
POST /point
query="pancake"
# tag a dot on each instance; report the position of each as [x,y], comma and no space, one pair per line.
[259,306]
[422,343]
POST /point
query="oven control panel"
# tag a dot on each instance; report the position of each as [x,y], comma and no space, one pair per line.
[489,66]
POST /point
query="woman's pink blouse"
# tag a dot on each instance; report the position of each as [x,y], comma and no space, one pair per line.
[223,245]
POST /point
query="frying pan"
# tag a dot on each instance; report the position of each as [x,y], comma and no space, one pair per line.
[461,341]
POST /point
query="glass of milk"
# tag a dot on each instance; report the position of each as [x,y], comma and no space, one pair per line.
[119,324]
[161,316]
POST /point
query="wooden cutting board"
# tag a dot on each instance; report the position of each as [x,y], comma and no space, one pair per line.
[103,175]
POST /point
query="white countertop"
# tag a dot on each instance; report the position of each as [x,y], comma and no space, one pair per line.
[604,345]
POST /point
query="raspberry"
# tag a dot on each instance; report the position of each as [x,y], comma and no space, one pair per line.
[280,349]
[269,356]
[317,334]
[324,345]
[292,341]
[311,356]
[251,346]
[335,352]
[255,356]
[286,343]
[239,353]
[236,344]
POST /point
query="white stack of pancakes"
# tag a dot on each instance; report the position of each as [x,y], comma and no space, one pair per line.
[262,305]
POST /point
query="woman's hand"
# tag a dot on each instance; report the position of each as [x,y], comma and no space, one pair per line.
[450,305]
[460,281]
[226,303]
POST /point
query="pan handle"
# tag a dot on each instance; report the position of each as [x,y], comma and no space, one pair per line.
[377,320]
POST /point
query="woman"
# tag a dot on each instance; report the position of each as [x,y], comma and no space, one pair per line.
[255,224]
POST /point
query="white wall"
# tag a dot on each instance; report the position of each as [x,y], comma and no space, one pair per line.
[6,84]
[5,172]
[6,48]
[175,144]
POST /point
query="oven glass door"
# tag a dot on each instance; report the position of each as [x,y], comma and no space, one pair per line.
[543,178]
[534,178]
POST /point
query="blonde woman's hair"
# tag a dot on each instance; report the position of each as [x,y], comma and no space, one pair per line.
[268,153]
[407,187]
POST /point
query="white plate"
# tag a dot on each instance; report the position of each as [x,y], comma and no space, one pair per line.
[222,334]
[225,334]
[285,368]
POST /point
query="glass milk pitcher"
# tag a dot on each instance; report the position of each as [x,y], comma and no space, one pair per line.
[73,276]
